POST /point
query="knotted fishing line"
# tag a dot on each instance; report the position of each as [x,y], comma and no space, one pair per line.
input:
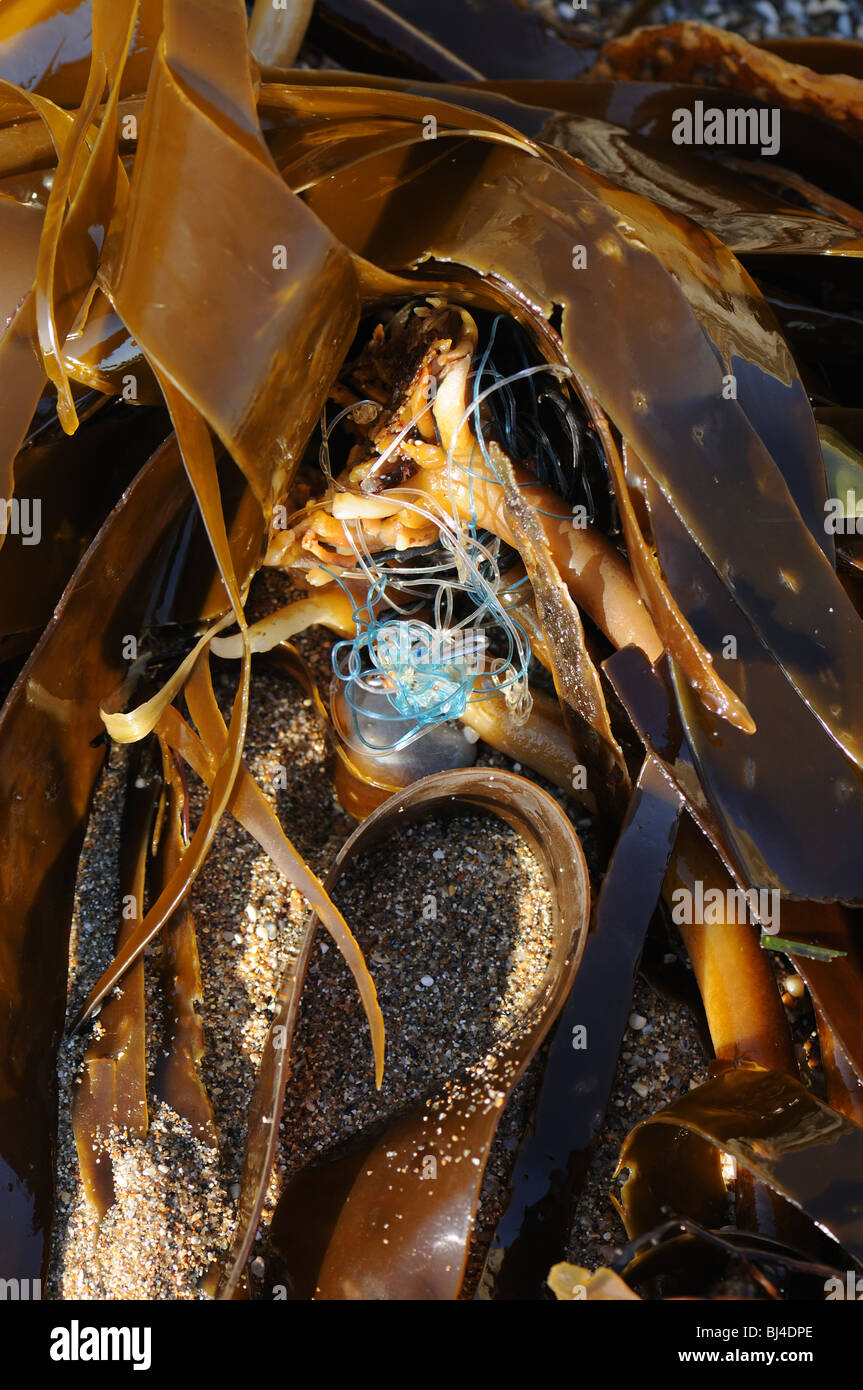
[428,672]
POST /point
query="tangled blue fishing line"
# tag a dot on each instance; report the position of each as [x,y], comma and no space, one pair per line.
[429,671]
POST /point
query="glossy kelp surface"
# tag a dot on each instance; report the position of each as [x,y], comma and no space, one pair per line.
[553,1158]
[271,216]
[51,732]
[805,1152]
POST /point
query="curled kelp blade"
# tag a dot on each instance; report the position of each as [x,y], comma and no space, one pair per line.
[626,141]
[329,1223]
[44,46]
[785,1137]
[250,409]
[790,431]
[290,295]
[51,751]
[65,489]
[682,1259]
[772,398]
[631,372]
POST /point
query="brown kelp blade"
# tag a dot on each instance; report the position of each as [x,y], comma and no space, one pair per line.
[779,1132]
[177,1079]
[654,389]
[577,680]
[748,212]
[788,801]
[553,1158]
[44,45]
[330,1221]
[74,483]
[290,294]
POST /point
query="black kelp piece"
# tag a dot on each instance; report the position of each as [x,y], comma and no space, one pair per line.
[774,1128]
[553,1158]
[450,41]
[681,1259]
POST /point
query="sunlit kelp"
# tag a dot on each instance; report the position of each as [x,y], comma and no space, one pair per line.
[223,265]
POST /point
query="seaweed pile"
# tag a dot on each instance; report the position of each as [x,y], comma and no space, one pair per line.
[551,415]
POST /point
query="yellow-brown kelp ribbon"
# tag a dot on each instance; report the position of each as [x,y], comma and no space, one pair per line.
[82,202]
[44,43]
[248,804]
[286,288]
[177,1079]
[72,241]
[112,1090]
[739,206]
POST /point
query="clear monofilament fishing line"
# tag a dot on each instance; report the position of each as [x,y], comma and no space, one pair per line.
[431,671]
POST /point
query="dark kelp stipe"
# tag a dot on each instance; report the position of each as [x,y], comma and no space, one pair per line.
[194,235]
